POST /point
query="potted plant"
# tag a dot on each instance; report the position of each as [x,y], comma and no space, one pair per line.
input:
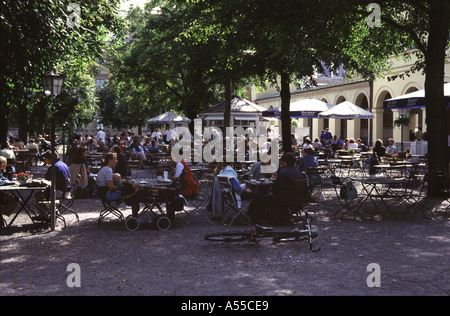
[22,178]
[402,120]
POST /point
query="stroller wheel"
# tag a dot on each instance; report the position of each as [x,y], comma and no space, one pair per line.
[163,223]
[131,223]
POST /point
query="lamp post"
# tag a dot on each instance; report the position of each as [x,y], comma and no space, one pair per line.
[52,83]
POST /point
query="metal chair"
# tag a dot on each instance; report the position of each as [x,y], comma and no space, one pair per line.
[300,198]
[316,178]
[230,201]
[67,200]
[349,204]
[109,207]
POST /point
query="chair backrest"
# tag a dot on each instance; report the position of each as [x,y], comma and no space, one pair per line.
[300,192]
[315,170]
[227,188]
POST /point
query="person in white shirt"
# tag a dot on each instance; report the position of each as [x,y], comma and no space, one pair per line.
[100,135]
[352,144]
[156,134]
[391,149]
[31,144]
[169,135]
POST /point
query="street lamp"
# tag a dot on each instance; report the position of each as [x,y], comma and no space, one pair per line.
[52,83]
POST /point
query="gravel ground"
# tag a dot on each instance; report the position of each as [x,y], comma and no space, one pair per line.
[412,256]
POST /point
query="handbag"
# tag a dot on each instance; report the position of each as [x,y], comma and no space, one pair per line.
[348,191]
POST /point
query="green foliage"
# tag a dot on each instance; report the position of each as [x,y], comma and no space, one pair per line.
[37,36]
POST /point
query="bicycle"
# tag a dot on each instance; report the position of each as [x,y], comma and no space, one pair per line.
[258,232]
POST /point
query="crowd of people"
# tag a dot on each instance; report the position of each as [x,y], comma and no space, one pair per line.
[117,150]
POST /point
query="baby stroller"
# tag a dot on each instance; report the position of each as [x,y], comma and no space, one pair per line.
[153,214]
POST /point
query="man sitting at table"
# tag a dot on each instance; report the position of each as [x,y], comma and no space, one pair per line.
[62,184]
[138,151]
[255,170]
[275,207]
[391,149]
[189,187]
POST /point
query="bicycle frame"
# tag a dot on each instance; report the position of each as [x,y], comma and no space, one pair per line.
[258,232]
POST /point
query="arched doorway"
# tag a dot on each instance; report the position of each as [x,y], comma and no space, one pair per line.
[340,122]
[363,102]
[416,117]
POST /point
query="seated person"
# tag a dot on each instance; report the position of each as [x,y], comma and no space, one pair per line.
[122,162]
[317,144]
[106,187]
[352,144]
[255,170]
[153,147]
[361,145]
[391,149]
[128,189]
[189,187]
[6,171]
[275,207]
[62,184]
[308,160]
[8,202]
[138,151]
[379,150]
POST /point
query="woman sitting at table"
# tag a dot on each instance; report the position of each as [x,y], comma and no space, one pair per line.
[106,188]
[379,150]
[8,202]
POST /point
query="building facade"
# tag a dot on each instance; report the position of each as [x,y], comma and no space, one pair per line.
[366,94]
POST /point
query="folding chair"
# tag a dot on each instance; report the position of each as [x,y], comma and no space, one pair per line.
[66,202]
[60,206]
[348,203]
[300,198]
[109,207]
[316,178]
[412,195]
[230,201]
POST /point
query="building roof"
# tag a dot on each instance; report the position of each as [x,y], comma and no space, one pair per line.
[237,105]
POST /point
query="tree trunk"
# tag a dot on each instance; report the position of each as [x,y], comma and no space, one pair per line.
[436,113]
[4,117]
[285,94]
[23,122]
[227,113]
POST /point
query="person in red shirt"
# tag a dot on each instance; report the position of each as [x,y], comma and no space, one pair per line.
[189,187]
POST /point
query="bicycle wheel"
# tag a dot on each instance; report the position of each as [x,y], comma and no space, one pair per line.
[228,236]
[294,236]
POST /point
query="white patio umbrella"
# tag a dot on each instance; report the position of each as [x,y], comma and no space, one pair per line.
[346,110]
[414,99]
[307,108]
[167,118]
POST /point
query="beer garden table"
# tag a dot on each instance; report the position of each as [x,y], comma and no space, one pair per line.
[20,191]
